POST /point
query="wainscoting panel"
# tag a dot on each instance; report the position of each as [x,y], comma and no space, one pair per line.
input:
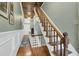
[10,42]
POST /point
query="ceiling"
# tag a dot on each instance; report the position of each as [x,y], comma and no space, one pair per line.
[28,8]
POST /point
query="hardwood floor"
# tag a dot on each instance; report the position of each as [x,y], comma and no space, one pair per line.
[40,51]
[24,51]
[37,51]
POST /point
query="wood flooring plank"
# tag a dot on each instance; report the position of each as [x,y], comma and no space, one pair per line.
[36,51]
[23,51]
[40,51]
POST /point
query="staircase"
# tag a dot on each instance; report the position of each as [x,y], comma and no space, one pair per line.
[71,50]
[56,41]
[34,41]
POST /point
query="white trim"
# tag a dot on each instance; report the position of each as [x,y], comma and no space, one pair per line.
[4,42]
[3,14]
[15,37]
[22,9]
[42,4]
[14,13]
[9,31]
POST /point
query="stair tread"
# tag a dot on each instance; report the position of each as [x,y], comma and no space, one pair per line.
[52,43]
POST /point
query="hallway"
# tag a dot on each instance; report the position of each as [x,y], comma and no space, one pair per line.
[30,49]
[33,33]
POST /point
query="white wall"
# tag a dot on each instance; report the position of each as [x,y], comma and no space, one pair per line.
[64,15]
[9,44]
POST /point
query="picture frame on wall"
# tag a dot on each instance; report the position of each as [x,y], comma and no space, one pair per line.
[11,13]
[11,19]
[4,9]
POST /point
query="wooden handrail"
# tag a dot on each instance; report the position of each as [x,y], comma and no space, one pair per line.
[49,20]
[48,26]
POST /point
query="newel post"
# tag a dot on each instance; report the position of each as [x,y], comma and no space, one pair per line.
[65,43]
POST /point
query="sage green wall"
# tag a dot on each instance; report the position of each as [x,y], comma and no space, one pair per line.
[4,24]
[78,22]
[65,16]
